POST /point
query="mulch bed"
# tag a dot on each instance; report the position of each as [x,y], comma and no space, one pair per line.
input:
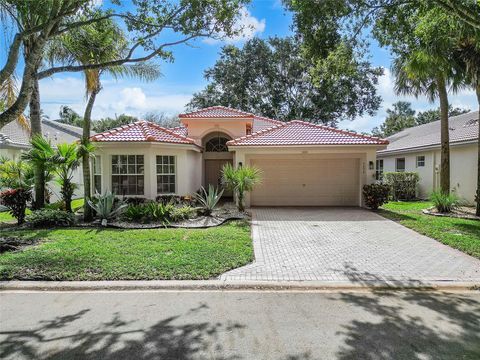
[462,212]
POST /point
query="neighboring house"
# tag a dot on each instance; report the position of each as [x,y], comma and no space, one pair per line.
[417,149]
[302,164]
[14,139]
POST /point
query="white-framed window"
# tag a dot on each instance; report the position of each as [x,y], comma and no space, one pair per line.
[420,161]
[166,174]
[97,174]
[400,164]
[128,174]
[379,170]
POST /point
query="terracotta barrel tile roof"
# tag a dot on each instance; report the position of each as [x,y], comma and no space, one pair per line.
[142,131]
[216,112]
[298,132]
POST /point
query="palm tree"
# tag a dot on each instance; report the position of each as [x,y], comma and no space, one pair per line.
[41,155]
[8,95]
[67,160]
[240,180]
[422,73]
[96,43]
[468,53]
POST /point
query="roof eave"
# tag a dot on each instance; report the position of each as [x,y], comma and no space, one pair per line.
[425,147]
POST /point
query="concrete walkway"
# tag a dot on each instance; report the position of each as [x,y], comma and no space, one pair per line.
[347,244]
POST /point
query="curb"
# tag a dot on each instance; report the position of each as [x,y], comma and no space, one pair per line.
[222,285]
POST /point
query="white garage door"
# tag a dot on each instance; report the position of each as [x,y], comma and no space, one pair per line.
[301,182]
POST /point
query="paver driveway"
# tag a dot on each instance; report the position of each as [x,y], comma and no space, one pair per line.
[347,244]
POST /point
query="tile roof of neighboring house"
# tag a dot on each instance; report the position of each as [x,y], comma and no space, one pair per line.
[216,112]
[298,132]
[13,134]
[462,128]
[142,131]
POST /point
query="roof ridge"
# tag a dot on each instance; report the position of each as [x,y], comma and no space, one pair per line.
[241,112]
[256,133]
[268,119]
[169,131]
[340,130]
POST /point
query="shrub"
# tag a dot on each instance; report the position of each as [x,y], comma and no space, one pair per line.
[208,201]
[240,180]
[403,185]
[375,195]
[183,213]
[106,207]
[135,200]
[175,199]
[16,201]
[444,203]
[50,217]
[149,212]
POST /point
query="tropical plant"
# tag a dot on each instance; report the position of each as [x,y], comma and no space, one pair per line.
[15,174]
[444,203]
[50,217]
[16,201]
[182,213]
[96,43]
[106,206]
[208,200]
[67,161]
[41,156]
[375,195]
[149,212]
[240,180]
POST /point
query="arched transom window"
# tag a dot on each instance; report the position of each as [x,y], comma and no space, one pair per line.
[216,144]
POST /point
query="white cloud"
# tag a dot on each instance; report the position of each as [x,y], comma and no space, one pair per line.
[114,99]
[249,26]
[464,99]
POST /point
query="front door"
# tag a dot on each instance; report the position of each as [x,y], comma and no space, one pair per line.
[213,173]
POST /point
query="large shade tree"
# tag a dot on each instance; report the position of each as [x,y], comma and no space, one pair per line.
[148,24]
[274,78]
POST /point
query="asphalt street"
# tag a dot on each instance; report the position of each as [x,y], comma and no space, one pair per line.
[240,325]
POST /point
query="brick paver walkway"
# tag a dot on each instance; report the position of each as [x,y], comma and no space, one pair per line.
[347,244]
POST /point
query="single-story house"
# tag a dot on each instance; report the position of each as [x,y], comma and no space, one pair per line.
[302,164]
[417,149]
[14,139]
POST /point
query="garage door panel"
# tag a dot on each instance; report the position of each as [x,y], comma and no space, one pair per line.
[318,182]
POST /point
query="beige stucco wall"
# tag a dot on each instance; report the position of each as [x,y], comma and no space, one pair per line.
[463,169]
[188,165]
[199,128]
[365,155]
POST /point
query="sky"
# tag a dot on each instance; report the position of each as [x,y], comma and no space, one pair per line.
[181,78]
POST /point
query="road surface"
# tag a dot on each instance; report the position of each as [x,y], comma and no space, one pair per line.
[239,325]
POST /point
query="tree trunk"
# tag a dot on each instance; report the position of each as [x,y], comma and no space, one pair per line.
[87,187]
[478,158]
[36,126]
[444,136]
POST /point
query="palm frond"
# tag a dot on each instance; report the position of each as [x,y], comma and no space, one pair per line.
[8,96]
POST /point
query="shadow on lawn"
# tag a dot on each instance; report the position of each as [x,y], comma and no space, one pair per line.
[398,335]
[395,216]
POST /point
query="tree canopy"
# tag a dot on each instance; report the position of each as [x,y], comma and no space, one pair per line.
[274,78]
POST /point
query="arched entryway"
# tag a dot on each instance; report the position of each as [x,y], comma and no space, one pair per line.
[215,156]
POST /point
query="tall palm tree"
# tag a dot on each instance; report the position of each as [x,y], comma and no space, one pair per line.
[420,73]
[96,43]
[468,53]
[8,95]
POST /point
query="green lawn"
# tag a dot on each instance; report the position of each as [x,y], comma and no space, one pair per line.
[95,254]
[460,234]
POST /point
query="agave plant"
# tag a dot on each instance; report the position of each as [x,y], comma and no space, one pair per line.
[240,180]
[106,208]
[208,200]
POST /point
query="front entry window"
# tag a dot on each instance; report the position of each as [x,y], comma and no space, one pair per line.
[217,144]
